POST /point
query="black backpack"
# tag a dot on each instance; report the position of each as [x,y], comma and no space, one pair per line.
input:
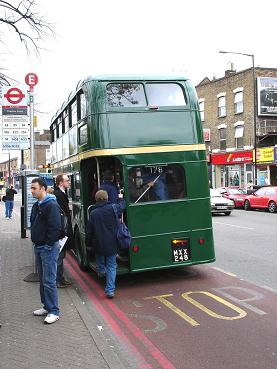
[64,222]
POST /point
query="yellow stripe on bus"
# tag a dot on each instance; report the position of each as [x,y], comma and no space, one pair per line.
[128,151]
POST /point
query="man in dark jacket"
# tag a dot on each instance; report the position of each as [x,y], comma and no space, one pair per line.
[10,192]
[45,234]
[101,231]
[62,185]
[109,186]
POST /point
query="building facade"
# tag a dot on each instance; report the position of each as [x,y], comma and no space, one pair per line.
[239,121]
[41,150]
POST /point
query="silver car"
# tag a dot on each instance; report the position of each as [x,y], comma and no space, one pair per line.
[220,204]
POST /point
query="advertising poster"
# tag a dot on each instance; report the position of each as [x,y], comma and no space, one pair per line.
[267,96]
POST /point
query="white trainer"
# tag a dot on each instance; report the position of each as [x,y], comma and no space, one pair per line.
[40,312]
[51,318]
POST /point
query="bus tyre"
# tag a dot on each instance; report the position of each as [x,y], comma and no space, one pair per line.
[79,251]
[272,207]
[247,205]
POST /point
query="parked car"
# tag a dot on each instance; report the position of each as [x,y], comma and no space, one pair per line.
[220,204]
[236,194]
[263,198]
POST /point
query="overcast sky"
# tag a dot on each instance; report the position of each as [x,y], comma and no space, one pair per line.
[123,36]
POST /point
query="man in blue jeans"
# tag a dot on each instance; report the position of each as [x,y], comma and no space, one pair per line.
[45,234]
[101,233]
[10,192]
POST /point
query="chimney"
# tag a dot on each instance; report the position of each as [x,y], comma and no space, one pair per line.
[230,71]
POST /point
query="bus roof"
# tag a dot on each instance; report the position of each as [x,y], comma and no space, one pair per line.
[135,77]
[118,77]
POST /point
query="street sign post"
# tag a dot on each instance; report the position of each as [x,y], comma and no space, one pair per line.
[31,80]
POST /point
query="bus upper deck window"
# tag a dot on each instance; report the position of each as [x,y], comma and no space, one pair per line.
[165,94]
[126,95]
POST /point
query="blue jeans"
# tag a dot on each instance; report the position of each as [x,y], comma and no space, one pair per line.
[107,265]
[9,208]
[46,262]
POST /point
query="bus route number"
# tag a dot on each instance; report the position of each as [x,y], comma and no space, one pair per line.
[156,169]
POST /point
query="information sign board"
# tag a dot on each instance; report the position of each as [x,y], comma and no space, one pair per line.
[15,120]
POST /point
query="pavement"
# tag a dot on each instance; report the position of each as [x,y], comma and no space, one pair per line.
[77,340]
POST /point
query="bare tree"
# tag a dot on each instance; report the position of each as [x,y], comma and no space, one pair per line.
[23,18]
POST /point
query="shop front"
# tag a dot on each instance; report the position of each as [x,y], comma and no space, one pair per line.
[266,166]
[232,169]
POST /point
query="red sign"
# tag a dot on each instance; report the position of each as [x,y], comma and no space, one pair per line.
[31,79]
[14,95]
[231,158]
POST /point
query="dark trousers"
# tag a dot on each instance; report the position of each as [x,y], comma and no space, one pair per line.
[60,276]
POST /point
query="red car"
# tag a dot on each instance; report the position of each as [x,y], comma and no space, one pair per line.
[263,198]
[234,193]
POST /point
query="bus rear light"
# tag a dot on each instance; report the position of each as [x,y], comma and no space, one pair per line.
[135,248]
[201,241]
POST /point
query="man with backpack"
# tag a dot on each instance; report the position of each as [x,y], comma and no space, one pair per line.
[46,231]
[101,232]
[62,185]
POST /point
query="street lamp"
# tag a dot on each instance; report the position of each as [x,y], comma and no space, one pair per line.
[254,108]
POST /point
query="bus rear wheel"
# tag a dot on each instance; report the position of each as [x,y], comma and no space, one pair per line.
[79,251]
[272,207]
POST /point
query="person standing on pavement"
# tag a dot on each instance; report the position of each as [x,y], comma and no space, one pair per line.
[46,229]
[62,185]
[9,201]
[101,233]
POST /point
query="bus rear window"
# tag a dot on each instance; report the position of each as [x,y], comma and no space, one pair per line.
[126,95]
[165,94]
[156,183]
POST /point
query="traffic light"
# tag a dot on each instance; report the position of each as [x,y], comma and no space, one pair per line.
[46,166]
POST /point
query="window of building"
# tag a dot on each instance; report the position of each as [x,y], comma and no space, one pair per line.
[201,109]
[222,138]
[239,136]
[167,183]
[221,106]
[238,102]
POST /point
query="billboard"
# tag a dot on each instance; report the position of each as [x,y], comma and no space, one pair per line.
[267,96]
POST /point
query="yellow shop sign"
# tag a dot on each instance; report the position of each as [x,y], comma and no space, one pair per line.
[264,155]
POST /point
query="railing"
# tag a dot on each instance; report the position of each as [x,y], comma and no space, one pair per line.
[266,127]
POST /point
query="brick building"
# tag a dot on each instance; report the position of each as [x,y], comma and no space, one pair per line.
[41,150]
[227,112]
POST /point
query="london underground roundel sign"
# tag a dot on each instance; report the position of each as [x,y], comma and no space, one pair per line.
[31,79]
[14,95]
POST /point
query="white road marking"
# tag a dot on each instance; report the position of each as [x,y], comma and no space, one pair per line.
[233,225]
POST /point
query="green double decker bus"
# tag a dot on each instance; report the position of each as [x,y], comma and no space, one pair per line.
[147,131]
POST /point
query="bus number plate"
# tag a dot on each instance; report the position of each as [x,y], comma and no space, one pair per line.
[180,250]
